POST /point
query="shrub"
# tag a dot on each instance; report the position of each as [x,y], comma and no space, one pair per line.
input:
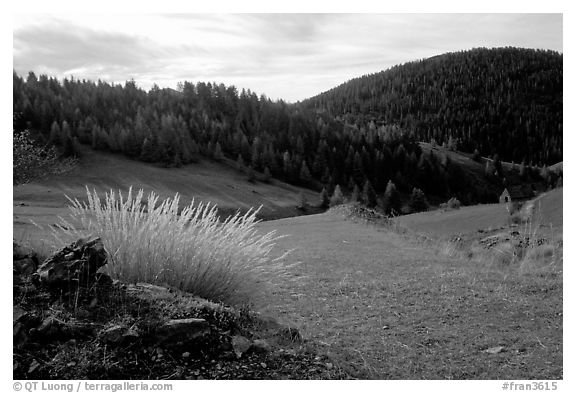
[29,160]
[191,250]
[452,204]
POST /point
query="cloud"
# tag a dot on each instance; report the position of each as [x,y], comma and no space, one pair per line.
[289,56]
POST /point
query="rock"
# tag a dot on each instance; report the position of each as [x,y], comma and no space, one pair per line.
[186,355]
[187,329]
[50,327]
[17,313]
[20,335]
[118,335]
[494,350]
[76,263]
[240,345]
[260,346]
[113,335]
[33,366]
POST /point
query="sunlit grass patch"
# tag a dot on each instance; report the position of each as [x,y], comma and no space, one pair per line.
[190,249]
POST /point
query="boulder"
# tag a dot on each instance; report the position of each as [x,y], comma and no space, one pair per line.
[240,345]
[260,346]
[182,330]
[76,264]
[118,335]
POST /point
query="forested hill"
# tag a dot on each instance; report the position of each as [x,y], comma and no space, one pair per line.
[505,101]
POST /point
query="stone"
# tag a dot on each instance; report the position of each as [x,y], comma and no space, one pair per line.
[260,346]
[118,335]
[178,330]
[76,263]
[494,350]
[113,335]
[240,345]
[33,366]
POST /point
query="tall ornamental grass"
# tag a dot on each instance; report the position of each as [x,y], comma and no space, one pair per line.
[190,250]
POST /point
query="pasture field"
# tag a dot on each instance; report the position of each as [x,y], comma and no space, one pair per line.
[390,307]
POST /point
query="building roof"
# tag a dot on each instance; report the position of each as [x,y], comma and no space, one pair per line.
[520,192]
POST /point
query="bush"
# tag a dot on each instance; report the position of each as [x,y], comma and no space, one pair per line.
[30,161]
[191,250]
[452,204]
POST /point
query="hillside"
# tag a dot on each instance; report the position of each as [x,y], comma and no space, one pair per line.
[547,212]
[207,181]
[506,101]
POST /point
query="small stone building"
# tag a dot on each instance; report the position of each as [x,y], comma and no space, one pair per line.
[516,194]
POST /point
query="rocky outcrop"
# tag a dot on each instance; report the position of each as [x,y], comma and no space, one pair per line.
[77,263]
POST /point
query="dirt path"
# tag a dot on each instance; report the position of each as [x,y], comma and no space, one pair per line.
[394,309]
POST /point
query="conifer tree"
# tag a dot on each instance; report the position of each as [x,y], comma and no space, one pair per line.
[337,197]
[305,173]
[355,197]
[418,201]
[391,200]
[324,199]
[369,195]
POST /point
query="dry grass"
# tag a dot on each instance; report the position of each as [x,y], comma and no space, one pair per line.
[391,307]
[189,249]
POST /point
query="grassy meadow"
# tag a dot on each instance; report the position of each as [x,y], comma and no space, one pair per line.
[383,303]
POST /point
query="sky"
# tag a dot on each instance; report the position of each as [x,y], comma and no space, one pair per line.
[284,56]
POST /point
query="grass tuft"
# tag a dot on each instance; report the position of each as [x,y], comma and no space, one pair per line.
[190,249]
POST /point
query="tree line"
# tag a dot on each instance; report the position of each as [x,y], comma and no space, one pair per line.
[288,142]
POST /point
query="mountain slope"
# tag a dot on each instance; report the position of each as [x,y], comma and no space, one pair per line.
[506,101]
[207,181]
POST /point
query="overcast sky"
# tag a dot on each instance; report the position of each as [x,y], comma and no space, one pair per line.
[288,56]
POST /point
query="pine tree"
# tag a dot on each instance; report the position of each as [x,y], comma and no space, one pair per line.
[251,174]
[369,195]
[476,156]
[337,197]
[240,163]
[55,134]
[302,202]
[418,201]
[218,155]
[305,173]
[267,175]
[391,200]
[324,199]
[355,197]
